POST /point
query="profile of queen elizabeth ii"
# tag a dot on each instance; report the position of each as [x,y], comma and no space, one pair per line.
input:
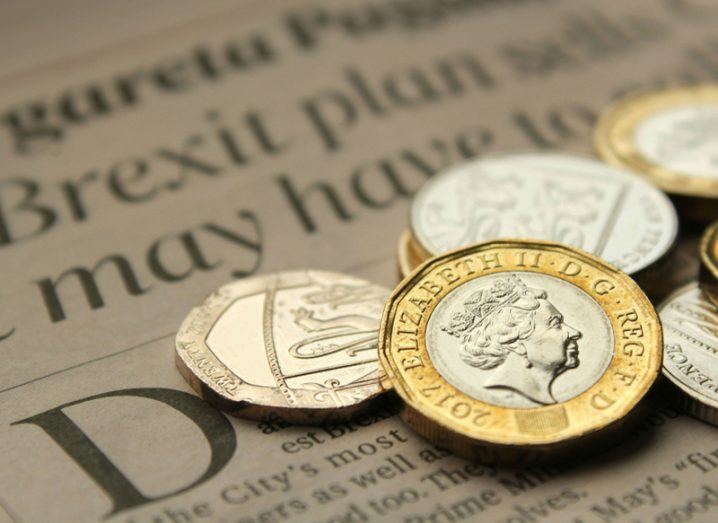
[514,331]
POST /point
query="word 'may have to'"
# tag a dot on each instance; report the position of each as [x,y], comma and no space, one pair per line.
[225,147]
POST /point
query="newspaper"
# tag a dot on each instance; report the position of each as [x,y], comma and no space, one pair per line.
[146,163]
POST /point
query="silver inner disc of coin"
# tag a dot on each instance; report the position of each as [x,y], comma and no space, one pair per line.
[312,335]
[683,139]
[576,201]
[520,339]
[690,338]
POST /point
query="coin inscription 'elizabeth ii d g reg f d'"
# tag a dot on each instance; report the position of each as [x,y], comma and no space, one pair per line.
[520,349]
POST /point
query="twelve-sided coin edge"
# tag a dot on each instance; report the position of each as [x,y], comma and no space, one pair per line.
[502,433]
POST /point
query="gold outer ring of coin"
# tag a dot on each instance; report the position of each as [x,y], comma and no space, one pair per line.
[299,346]
[614,142]
[655,279]
[709,263]
[478,430]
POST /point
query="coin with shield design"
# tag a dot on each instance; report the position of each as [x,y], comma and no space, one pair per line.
[557,197]
[301,345]
[690,358]
[519,350]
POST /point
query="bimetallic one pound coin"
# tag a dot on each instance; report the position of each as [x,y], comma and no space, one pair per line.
[301,345]
[709,263]
[517,350]
[670,137]
[690,357]
[577,201]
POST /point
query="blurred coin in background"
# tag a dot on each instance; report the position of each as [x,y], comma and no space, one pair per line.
[709,263]
[670,137]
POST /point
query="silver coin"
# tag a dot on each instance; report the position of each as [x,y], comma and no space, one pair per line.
[573,200]
[301,344]
[682,139]
[534,339]
[690,353]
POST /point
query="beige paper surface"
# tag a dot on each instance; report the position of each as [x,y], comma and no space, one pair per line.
[166,156]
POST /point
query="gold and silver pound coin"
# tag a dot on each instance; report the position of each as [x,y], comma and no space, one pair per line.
[670,137]
[301,345]
[516,350]
[573,200]
[690,357]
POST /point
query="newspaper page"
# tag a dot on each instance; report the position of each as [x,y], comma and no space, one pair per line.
[139,174]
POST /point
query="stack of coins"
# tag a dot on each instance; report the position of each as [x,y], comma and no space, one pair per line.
[581,202]
[518,349]
[522,328]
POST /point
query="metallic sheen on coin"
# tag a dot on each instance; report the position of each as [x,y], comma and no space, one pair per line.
[301,345]
[709,263]
[407,254]
[516,350]
[568,199]
[690,357]
[669,136]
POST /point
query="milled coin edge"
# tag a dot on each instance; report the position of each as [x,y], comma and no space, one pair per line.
[685,396]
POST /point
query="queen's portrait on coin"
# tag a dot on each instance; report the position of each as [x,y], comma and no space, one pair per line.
[517,333]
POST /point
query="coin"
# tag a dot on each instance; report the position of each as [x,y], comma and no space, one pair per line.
[709,263]
[670,137]
[568,199]
[518,350]
[407,254]
[690,357]
[301,345]
[681,267]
